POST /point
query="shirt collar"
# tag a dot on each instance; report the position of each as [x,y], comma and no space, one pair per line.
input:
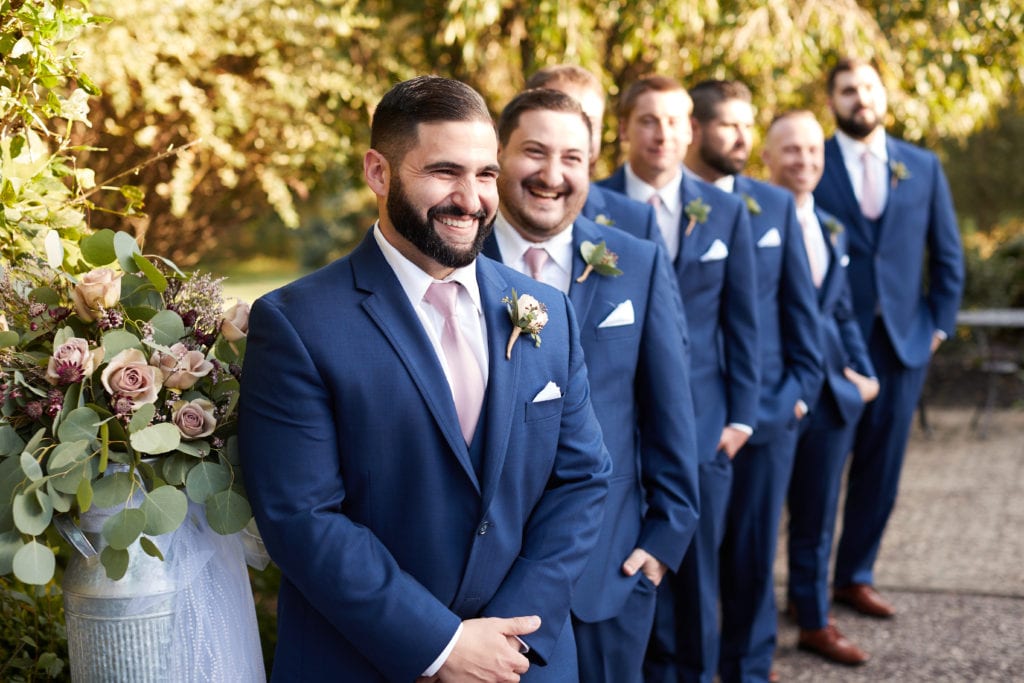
[669,194]
[513,245]
[415,281]
[852,149]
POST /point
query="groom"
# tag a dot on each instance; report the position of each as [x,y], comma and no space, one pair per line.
[430,498]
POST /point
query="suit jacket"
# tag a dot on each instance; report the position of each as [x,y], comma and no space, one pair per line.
[606,207]
[640,388]
[789,335]
[887,257]
[842,343]
[363,487]
[716,277]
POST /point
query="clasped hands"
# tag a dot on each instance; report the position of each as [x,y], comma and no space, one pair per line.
[487,650]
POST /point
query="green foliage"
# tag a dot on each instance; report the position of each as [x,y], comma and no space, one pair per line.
[33,641]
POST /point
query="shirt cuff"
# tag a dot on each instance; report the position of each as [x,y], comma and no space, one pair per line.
[802,405]
[443,657]
[941,334]
[746,429]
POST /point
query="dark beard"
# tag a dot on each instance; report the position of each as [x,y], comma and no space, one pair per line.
[721,162]
[858,130]
[421,233]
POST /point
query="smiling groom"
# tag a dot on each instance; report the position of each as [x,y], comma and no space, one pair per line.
[430,500]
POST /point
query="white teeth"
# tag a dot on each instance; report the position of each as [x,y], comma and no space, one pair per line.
[545,195]
[448,220]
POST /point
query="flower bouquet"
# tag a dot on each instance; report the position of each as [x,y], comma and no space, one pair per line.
[119,382]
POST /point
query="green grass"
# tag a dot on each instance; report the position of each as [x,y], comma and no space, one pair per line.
[250,280]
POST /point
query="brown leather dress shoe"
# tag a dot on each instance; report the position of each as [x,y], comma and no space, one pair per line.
[832,645]
[865,599]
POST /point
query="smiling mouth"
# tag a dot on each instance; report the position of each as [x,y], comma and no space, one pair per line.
[546,193]
[458,223]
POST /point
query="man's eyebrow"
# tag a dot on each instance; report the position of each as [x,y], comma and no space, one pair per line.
[452,166]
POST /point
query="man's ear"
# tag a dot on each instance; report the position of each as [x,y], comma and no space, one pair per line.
[377,172]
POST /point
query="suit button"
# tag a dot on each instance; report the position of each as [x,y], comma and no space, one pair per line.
[484,526]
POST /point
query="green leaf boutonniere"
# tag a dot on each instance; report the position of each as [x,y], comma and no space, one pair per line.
[603,219]
[698,212]
[598,257]
[898,171]
[835,228]
[528,316]
[752,206]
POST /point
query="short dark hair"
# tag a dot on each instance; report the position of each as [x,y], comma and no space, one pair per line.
[569,74]
[534,100]
[708,95]
[424,99]
[847,64]
[791,114]
[645,85]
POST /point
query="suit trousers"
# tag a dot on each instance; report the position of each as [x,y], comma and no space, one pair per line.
[878,450]
[612,651]
[684,641]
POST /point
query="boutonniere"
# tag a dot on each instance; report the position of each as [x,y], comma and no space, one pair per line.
[835,228]
[698,212]
[528,316]
[602,219]
[752,206]
[598,257]
[898,171]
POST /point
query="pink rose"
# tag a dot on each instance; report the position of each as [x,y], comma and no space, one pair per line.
[96,290]
[181,368]
[72,361]
[235,325]
[194,419]
[130,376]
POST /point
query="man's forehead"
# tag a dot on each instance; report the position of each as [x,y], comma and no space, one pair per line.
[440,135]
[667,101]
[553,128]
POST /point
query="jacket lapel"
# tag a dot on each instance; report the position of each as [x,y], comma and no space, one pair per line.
[687,245]
[389,308]
[835,167]
[582,293]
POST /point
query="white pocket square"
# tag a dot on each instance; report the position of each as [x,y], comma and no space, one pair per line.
[549,392]
[844,260]
[772,238]
[716,252]
[622,315]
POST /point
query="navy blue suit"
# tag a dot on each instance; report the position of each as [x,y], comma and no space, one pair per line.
[640,390]
[365,492]
[898,318]
[789,337]
[716,276]
[826,437]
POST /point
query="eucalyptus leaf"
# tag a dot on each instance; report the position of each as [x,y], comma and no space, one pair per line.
[34,564]
[123,527]
[197,449]
[115,562]
[11,477]
[116,341]
[98,248]
[60,501]
[142,417]
[165,510]
[227,512]
[62,336]
[10,442]
[10,544]
[206,479]
[67,453]
[111,490]
[84,495]
[68,480]
[168,327]
[81,424]
[152,273]
[32,512]
[37,438]
[151,548]
[176,467]
[156,439]
[30,467]
[9,338]
[125,247]
[45,295]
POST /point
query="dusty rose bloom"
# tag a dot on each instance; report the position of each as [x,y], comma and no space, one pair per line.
[194,419]
[129,376]
[98,289]
[181,368]
[236,322]
[72,361]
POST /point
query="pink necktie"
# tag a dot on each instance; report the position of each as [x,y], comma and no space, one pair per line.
[467,380]
[535,259]
[871,188]
[654,200]
[813,255]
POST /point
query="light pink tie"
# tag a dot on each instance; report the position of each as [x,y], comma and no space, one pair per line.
[535,259]
[467,380]
[654,200]
[871,188]
[813,255]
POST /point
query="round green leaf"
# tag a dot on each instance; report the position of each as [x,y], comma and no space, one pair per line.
[9,338]
[175,468]
[116,341]
[61,502]
[156,439]
[83,494]
[10,544]
[34,564]
[32,512]
[81,424]
[111,490]
[67,453]
[10,442]
[165,510]
[125,247]
[167,327]
[30,467]
[152,273]
[124,527]
[227,512]
[69,479]
[206,479]
[115,562]
[142,417]
[98,248]
[11,477]
[197,449]
[151,548]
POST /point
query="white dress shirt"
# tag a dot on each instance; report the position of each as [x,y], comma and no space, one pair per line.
[669,209]
[852,151]
[557,271]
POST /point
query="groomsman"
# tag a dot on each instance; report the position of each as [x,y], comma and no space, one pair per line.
[603,206]
[791,375]
[632,330]
[708,236]
[430,485]
[795,157]
[894,200]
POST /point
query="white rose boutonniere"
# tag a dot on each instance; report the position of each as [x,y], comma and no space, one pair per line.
[603,219]
[528,316]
